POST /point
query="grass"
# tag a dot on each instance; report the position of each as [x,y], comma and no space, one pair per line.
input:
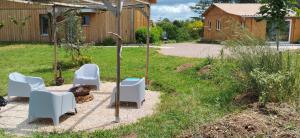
[187,100]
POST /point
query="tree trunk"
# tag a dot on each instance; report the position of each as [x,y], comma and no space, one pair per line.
[277,39]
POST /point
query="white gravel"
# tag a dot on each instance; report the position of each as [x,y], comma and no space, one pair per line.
[93,115]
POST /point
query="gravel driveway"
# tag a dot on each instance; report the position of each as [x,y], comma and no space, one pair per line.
[196,50]
[192,50]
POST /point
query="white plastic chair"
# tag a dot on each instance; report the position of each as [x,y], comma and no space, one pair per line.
[88,74]
[131,91]
[22,86]
[44,104]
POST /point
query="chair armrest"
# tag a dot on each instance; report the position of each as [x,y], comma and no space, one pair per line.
[34,79]
[17,86]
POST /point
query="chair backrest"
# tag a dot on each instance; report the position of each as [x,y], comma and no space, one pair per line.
[18,77]
[90,70]
[41,101]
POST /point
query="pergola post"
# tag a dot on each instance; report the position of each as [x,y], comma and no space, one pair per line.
[148,48]
[119,45]
[54,29]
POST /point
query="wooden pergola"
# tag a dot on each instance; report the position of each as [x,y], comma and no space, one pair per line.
[116,9]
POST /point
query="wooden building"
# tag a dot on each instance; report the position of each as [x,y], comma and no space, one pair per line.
[222,19]
[27,21]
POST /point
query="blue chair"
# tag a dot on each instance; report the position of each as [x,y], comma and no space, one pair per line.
[22,86]
[88,74]
[44,104]
[131,90]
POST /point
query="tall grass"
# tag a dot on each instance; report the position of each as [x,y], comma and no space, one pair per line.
[270,74]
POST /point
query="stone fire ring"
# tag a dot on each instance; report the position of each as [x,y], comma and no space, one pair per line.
[91,116]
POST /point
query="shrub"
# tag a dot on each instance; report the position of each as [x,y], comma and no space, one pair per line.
[109,41]
[182,35]
[170,29]
[81,60]
[141,35]
[272,75]
[155,35]
[195,29]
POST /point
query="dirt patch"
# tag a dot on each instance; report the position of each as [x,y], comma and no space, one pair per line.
[184,67]
[132,135]
[246,98]
[276,120]
[205,70]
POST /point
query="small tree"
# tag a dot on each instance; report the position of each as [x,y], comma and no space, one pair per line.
[275,11]
[73,38]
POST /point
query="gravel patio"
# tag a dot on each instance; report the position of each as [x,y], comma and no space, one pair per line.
[93,115]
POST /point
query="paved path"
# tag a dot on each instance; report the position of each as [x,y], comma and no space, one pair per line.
[196,50]
[192,50]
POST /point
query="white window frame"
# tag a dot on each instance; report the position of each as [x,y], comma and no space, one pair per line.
[218,25]
[290,29]
[209,24]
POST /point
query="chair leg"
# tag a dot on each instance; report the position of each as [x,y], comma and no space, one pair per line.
[75,110]
[139,104]
[30,119]
[98,86]
[55,120]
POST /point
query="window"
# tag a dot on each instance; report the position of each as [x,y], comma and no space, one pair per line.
[85,20]
[44,24]
[218,25]
[209,25]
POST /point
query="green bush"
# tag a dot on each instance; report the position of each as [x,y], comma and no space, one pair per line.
[81,60]
[155,35]
[183,35]
[109,41]
[271,85]
[195,29]
[170,29]
[270,74]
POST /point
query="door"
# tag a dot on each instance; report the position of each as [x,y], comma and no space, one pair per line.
[284,35]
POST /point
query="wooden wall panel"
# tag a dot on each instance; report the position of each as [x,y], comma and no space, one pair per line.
[295,34]
[29,32]
[101,23]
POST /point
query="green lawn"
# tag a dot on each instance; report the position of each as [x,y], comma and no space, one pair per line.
[187,100]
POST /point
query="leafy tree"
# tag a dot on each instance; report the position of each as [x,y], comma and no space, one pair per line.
[275,11]
[195,29]
[169,28]
[72,37]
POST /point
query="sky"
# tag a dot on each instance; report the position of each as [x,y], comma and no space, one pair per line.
[173,9]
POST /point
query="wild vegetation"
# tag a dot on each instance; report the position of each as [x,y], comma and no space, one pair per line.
[176,31]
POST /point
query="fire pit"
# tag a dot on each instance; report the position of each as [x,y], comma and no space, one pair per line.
[83,93]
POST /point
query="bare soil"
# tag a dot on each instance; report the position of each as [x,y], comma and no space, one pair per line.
[184,67]
[275,120]
[205,70]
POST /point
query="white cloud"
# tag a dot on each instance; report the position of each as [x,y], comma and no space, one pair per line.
[173,12]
